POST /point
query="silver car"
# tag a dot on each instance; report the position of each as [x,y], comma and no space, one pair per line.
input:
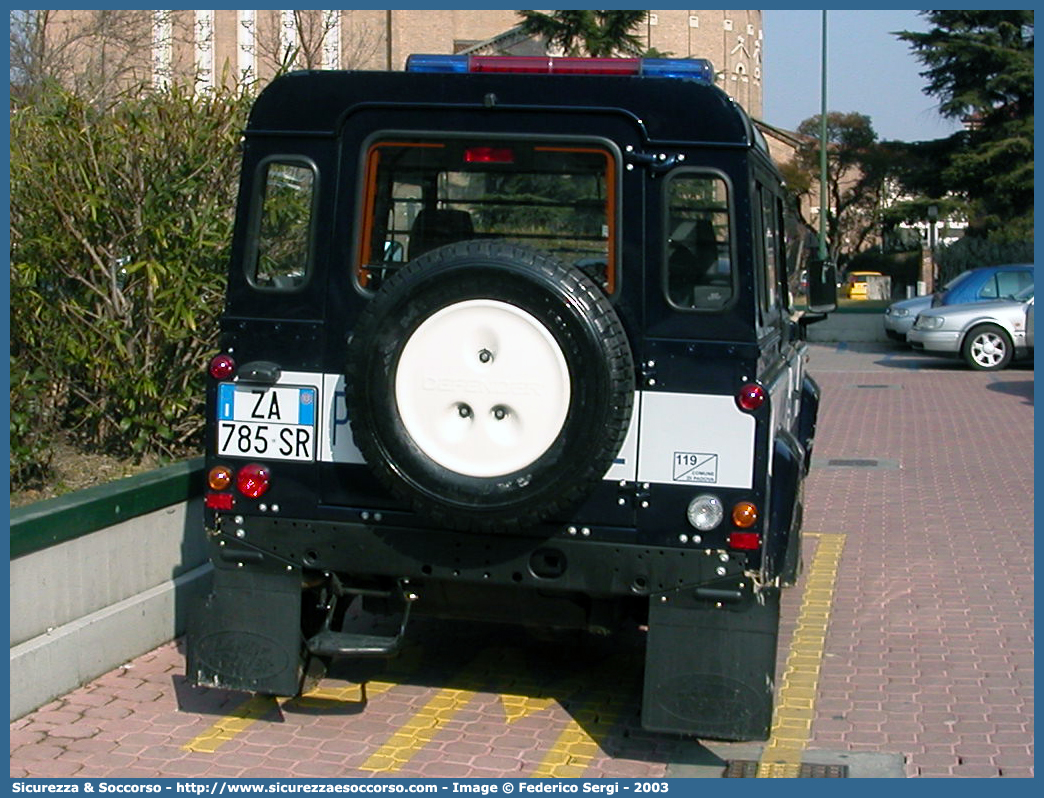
[987,335]
[900,316]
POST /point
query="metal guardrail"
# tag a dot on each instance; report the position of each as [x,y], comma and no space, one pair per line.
[42,524]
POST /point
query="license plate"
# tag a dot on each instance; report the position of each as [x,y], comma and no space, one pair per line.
[272,423]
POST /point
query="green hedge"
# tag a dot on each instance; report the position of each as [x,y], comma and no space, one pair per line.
[121,223]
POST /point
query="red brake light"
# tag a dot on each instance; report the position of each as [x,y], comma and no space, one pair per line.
[219,501]
[222,367]
[489,155]
[750,397]
[253,480]
[747,541]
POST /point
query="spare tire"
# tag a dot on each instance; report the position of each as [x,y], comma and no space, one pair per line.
[489,385]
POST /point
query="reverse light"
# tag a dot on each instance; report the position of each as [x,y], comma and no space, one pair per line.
[744,515]
[750,397]
[698,69]
[222,367]
[705,512]
[253,480]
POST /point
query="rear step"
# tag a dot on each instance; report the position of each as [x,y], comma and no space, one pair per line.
[328,642]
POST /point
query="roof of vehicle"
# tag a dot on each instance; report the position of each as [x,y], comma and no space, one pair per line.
[972,278]
[667,109]
[984,270]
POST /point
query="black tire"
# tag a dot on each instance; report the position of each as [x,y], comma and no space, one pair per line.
[567,401]
[987,348]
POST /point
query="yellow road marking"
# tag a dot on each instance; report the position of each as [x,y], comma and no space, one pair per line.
[428,721]
[795,706]
[418,731]
[576,746]
[517,707]
[236,722]
[580,740]
[256,707]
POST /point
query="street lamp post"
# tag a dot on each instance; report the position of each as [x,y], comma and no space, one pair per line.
[823,198]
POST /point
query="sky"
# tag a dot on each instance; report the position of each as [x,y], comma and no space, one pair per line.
[869,71]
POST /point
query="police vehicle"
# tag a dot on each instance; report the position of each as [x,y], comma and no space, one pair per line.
[510,339]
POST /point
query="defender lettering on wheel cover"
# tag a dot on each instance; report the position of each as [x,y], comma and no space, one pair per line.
[510,340]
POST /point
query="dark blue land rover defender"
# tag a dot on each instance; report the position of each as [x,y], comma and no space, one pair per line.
[510,339]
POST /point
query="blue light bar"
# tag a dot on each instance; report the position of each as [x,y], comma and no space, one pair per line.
[445,64]
[697,69]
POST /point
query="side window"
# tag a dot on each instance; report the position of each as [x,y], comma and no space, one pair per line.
[772,250]
[283,227]
[698,242]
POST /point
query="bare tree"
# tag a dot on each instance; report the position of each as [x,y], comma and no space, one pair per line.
[316,40]
[100,55]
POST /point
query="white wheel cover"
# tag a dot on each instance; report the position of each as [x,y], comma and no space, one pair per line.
[482,388]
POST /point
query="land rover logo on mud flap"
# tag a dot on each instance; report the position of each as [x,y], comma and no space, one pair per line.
[512,388]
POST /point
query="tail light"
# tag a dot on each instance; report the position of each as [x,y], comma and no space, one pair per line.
[222,367]
[219,501]
[750,397]
[253,480]
[744,515]
[745,541]
[219,477]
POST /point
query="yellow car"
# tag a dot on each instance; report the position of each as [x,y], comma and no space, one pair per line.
[855,286]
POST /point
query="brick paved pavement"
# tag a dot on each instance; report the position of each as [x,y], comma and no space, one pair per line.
[928,654]
[931,645]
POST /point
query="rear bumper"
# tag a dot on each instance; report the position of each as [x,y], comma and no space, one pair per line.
[574,563]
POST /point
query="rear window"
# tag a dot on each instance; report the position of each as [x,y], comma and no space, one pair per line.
[1003,285]
[421,194]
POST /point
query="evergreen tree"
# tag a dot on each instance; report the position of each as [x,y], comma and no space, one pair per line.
[599,34]
[979,64]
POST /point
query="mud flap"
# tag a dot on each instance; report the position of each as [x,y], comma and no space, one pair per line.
[710,670]
[246,635]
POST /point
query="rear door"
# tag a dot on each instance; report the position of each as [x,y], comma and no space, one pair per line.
[562,189]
